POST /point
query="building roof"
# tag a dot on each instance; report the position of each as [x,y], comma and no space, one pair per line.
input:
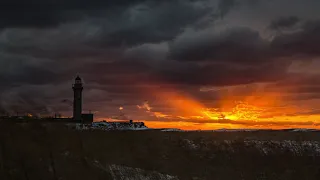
[78,78]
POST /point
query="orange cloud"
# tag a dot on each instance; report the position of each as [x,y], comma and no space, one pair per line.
[145,105]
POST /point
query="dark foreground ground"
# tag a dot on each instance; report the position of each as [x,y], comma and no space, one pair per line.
[55,152]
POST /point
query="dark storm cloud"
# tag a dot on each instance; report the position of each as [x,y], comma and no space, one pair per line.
[297,86]
[151,22]
[225,6]
[48,13]
[222,75]
[33,99]
[96,37]
[18,70]
[301,79]
[150,52]
[118,23]
[284,22]
[132,72]
[304,42]
[245,46]
[241,45]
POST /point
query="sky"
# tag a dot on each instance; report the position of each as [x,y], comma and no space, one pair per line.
[189,64]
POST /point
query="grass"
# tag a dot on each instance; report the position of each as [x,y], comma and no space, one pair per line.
[34,151]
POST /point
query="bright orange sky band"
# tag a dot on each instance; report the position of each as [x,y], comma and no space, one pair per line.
[256,110]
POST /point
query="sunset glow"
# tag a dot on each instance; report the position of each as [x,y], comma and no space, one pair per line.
[257,109]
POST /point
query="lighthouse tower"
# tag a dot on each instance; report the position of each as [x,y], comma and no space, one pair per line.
[77,99]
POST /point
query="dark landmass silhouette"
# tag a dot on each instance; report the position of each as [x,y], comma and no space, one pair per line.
[58,151]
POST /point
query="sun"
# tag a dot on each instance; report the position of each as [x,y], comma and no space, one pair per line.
[242,111]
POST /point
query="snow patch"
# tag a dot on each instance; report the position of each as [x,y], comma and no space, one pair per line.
[120,172]
[138,126]
[304,130]
[190,144]
[295,147]
[266,147]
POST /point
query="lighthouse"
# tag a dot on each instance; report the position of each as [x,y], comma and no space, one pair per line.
[77,99]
